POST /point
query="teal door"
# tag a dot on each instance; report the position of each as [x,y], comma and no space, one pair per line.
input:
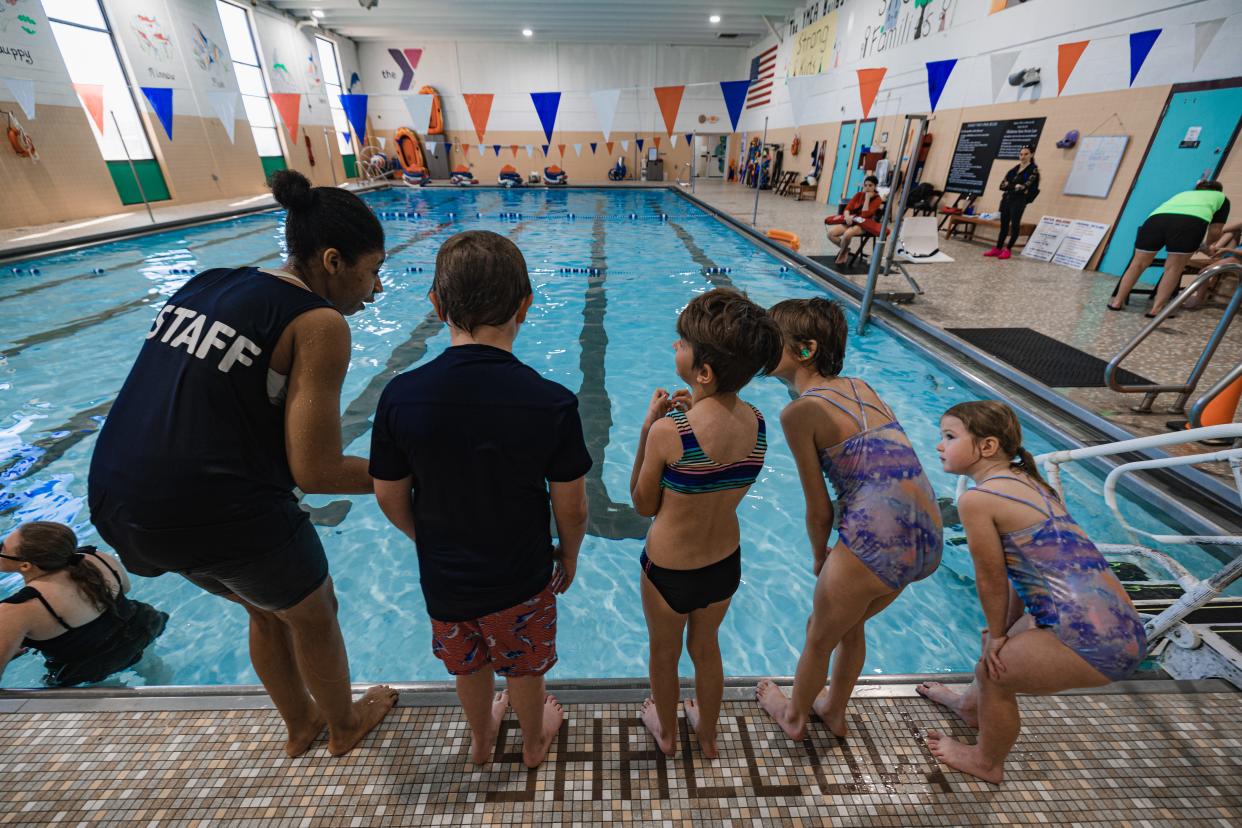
[866,134]
[841,165]
[1170,168]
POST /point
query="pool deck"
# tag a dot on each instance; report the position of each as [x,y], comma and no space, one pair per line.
[1146,752]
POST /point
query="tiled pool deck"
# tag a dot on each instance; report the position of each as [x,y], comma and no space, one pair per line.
[1147,752]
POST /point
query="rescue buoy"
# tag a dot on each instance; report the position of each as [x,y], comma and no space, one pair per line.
[784,237]
[795,145]
[20,140]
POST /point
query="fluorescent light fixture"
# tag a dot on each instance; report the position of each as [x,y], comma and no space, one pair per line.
[317,14]
[527,33]
[715,18]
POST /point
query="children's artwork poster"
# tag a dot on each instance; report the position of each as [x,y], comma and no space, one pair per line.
[812,48]
[28,52]
[1079,244]
[1047,237]
[146,36]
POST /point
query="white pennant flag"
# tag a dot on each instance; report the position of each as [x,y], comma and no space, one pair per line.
[23,92]
[382,140]
[1205,33]
[530,151]
[431,147]
[672,139]
[800,88]
[606,101]
[578,149]
[625,146]
[1002,64]
[225,105]
[419,107]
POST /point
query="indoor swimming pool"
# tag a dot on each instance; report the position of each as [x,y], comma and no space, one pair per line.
[611,271]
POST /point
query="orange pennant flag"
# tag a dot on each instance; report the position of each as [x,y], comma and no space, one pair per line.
[465,149]
[609,145]
[92,98]
[869,86]
[655,141]
[513,147]
[561,147]
[288,104]
[480,107]
[1067,58]
[669,98]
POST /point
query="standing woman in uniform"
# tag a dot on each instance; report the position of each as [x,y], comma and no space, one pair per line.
[233,401]
[1020,187]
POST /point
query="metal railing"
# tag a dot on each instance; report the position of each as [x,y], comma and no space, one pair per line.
[1184,390]
[1196,411]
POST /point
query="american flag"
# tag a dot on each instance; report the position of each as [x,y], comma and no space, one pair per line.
[762,74]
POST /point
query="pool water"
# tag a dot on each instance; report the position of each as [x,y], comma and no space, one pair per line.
[608,289]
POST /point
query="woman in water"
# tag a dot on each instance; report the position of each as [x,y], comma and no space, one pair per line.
[1078,629]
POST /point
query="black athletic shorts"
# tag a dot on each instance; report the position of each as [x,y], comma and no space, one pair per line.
[271,561]
[1175,232]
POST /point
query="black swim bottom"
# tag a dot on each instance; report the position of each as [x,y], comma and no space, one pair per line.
[1175,232]
[686,590]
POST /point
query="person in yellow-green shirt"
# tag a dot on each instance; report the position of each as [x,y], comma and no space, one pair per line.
[1187,222]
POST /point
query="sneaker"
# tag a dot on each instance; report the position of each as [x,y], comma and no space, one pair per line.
[1004,254]
[995,251]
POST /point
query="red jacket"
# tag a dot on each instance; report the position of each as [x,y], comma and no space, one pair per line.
[855,207]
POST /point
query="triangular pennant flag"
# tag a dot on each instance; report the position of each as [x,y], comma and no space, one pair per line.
[419,107]
[346,137]
[869,81]
[593,146]
[561,147]
[465,149]
[689,138]
[355,107]
[24,93]
[545,150]
[382,141]
[638,142]
[431,147]
[160,98]
[672,140]
[938,72]
[496,149]
[530,151]
[799,87]
[513,148]
[669,98]
[224,102]
[605,101]
[734,96]
[92,98]
[608,146]
[1002,65]
[625,146]
[546,104]
[480,107]
[1140,48]
[288,104]
[1205,33]
[1067,58]
[448,147]
[578,150]
[655,141]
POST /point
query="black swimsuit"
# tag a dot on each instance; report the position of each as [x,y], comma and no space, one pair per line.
[100,647]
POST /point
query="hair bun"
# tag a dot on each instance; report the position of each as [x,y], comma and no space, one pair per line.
[291,189]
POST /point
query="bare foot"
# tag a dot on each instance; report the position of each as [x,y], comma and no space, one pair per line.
[481,750]
[707,741]
[302,737]
[965,758]
[652,720]
[534,754]
[369,711]
[834,721]
[942,694]
[776,704]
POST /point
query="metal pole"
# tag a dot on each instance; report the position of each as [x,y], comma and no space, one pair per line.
[327,139]
[132,168]
[873,269]
[906,184]
[763,142]
[694,158]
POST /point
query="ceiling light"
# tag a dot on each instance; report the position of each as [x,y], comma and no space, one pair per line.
[317,14]
[527,33]
[715,18]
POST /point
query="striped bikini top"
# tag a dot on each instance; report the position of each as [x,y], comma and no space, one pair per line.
[696,473]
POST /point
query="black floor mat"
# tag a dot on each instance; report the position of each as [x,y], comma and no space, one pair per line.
[1048,360]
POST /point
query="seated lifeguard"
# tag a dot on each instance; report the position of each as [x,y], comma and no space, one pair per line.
[461,176]
[509,176]
[554,175]
[416,177]
[618,172]
[858,218]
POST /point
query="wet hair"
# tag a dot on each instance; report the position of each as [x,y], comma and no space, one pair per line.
[322,217]
[801,320]
[992,418]
[480,279]
[53,547]
[1210,185]
[872,179]
[732,334]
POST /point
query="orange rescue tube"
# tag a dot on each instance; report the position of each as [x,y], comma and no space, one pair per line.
[786,238]
[436,125]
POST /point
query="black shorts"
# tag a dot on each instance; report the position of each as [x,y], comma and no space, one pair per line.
[272,561]
[686,590]
[1174,232]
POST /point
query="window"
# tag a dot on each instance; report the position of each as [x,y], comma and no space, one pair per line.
[241,42]
[334,89]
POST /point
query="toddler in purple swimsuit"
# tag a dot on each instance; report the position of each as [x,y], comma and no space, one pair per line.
[889,535]
[1062,621]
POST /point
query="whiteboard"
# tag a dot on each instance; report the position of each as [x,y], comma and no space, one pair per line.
[1095,165]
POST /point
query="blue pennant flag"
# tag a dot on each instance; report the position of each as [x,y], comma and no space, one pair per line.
[161,103]
[448,148]
[546,105]
[690,140]
[938,72]
[545,150]
[1140,48]
[639,142]
[496,149]
[734,96]
[355,107]
[345,135]
[593,146]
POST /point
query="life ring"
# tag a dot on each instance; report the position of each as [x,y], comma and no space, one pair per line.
[795,145]
[786,238]
[19,139]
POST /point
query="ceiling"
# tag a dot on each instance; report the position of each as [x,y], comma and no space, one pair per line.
[563,21]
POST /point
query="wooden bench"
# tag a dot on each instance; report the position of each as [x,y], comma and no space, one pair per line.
[968,224]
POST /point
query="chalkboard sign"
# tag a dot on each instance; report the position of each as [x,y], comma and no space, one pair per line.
[1018,134]
[979,143]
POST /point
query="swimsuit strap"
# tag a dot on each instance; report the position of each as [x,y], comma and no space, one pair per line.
[858,421]
[689,442]
[1047,511]
[94,553]
[47,606]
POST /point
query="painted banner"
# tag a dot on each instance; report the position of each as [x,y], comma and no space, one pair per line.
[812,48]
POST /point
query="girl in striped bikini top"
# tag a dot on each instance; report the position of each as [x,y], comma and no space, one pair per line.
[696,473]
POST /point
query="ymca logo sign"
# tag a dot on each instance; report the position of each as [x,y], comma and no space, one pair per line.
[407,61]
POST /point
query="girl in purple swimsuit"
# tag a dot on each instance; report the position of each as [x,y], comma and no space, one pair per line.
[889,535]
[1062,621]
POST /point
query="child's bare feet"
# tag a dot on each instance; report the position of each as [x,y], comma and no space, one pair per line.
[535,750]
[301,737]
[834,721]
[776,704]
[481,749]
[942,694]
[652,720]
[368,711]
[707,741]
[965,758]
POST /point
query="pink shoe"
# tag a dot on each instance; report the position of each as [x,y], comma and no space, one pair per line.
[995,251]
[1004,254]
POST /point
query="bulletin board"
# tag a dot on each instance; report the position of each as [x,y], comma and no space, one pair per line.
[1095,165]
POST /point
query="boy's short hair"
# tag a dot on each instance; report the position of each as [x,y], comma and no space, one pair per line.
[801,320]
[480,279]
[731,334]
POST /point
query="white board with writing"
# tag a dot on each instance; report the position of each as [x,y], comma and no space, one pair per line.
[1095,165]
[1046,239]
[1079,243]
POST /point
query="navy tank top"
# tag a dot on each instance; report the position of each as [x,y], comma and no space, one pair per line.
[193,438]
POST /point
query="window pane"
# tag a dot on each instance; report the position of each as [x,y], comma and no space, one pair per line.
[237,33]
[342,126]
[327,61]
[250,80]
[266,142]
[258,111]
[85,12]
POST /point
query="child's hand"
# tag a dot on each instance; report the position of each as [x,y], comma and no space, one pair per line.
[662,403]
[681,400]
[563,570]
[991,654]
[821,558]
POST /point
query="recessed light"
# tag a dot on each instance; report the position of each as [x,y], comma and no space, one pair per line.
[715,18]
[317,14]
[527,33]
